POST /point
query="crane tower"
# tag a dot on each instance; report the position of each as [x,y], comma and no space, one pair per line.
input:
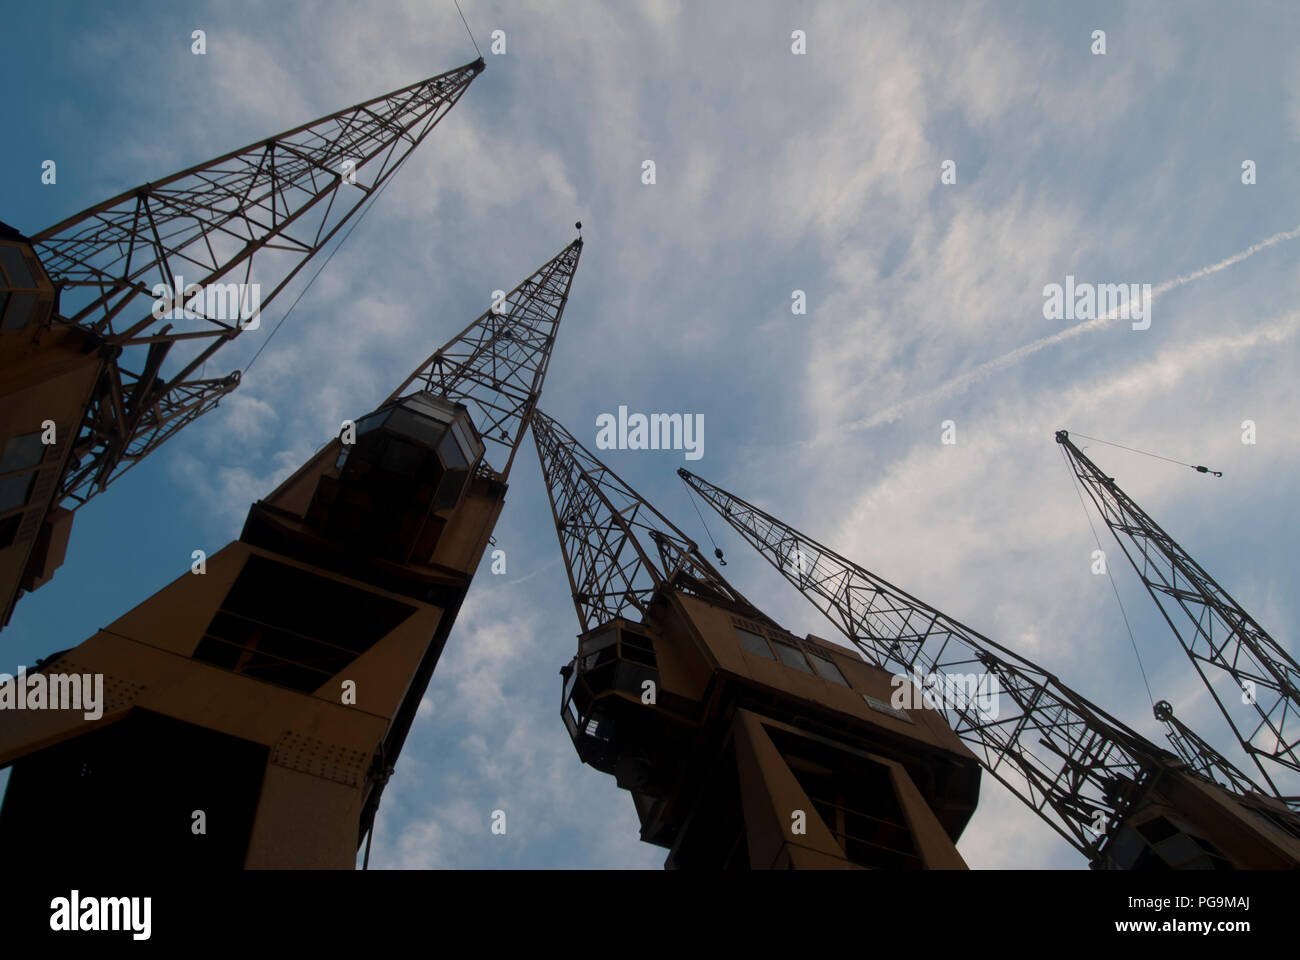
[267,696]
[742,745]
[109,318]
[1118,799]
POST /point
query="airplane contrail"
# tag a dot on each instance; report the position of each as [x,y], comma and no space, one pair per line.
[957,384]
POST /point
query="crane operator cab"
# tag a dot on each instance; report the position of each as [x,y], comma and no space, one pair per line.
[401,478]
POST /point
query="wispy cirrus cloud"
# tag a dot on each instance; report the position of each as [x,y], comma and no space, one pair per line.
[775,172]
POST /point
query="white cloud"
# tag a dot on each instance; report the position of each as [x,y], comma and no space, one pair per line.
[775,172]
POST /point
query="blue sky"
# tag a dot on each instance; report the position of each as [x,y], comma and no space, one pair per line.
[775,172]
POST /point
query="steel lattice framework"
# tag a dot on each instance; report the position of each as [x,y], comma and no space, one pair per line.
[618,549]
[1220,638]
[496,365]
[1199,755]
[1067,759]
[252,216]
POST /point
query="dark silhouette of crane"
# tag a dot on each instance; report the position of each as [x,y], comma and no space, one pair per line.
[266,696]
[108,318]
[742,745]
[1115,797]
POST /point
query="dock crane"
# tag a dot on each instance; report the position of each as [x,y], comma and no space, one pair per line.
[1225,644]
[102,357]
[266,696]
[1115,797]
[742,745]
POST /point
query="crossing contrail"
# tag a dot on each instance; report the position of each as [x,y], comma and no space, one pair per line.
[960,383]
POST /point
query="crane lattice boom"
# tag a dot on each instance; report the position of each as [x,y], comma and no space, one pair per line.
[1221,639]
